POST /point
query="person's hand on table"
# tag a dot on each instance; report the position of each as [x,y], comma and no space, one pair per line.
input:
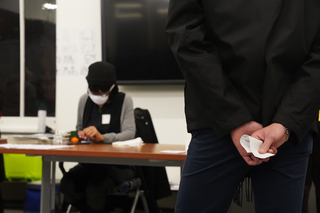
[92,133]
[247,129]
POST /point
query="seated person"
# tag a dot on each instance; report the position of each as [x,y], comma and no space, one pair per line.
[105,115]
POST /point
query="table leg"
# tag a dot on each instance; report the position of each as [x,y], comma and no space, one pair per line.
[53,185]
[46,187]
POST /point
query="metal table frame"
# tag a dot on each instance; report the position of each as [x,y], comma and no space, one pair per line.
[49,170]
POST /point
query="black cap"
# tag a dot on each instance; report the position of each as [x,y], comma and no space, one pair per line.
[101,73]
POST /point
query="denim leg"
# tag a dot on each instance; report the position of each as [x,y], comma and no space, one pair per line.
[212,172]
[278,184]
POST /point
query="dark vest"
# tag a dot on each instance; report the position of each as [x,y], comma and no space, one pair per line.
[92,114]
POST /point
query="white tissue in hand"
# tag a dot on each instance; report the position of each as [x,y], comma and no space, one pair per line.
[252,145]
[134,142]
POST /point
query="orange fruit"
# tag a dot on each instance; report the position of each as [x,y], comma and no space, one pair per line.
[74,140]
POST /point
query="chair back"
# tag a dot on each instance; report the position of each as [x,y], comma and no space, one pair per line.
[144,126]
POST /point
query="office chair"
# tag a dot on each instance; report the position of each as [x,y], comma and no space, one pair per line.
[134,192]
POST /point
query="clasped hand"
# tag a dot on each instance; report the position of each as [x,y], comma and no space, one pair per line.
[273,136]
[92,133]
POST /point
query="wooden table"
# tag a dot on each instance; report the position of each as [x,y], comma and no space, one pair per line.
[145,155]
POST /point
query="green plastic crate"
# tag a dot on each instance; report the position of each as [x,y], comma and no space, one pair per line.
[20,166]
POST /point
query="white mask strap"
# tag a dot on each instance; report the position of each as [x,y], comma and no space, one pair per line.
[111,88]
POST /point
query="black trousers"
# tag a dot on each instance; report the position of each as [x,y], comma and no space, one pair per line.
[214,168]
[86,186]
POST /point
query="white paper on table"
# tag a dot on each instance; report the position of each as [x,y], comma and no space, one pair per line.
[134,142]
[252,145]
[32,146]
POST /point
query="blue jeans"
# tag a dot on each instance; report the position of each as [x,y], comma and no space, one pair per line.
[214,168]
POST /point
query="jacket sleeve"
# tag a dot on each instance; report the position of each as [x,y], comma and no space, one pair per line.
[127,124]
[201,67]
[81,105]
[299,108]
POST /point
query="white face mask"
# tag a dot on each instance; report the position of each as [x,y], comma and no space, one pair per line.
[100,99]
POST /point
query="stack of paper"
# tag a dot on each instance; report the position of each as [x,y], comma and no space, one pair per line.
[30,139]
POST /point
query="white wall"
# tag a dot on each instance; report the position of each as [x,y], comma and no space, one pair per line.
[164,102]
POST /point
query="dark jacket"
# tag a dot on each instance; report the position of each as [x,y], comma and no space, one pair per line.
[248,60]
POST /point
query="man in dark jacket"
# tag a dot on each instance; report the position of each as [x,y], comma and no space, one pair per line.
[251,67]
